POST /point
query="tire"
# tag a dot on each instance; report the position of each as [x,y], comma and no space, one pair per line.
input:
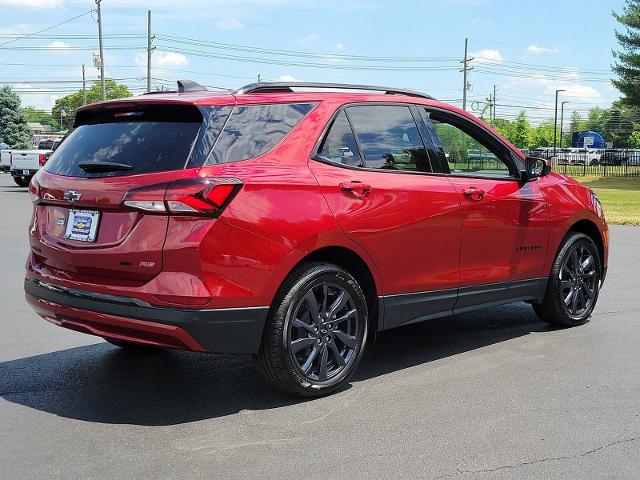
[297,344]
[570,298]
[21,182]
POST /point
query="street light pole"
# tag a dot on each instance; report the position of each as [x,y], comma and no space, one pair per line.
[104,90]
[555,123]
[562,120]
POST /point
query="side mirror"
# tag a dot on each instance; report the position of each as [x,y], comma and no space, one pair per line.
[536,167]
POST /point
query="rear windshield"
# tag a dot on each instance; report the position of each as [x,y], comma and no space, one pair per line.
[150,139]
[160,138]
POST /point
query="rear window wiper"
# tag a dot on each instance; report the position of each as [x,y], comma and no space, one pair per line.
[91,167]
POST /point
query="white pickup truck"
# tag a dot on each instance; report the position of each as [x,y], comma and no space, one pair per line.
[25,163]
[5,158]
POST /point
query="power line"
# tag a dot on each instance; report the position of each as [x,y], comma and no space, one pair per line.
[296,53]
[48,28]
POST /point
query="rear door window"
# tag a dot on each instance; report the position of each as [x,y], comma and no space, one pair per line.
[253,130]
[340,146]
[389,137]
[149,139]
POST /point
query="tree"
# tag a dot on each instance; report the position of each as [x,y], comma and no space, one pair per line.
[520,131]
[578,124]
[39,116]
[619,125]
[627,65]
[502,126]
[72,102]
[634,139]
[14,130]
[597,119]
[542,135]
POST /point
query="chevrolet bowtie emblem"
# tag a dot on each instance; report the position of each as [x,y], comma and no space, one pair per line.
[72,196]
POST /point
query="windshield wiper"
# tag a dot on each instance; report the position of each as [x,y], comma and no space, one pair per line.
[91,167]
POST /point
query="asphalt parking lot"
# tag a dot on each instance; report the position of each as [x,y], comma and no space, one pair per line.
[491,394]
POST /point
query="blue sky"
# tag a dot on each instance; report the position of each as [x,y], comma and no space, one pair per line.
[528,49]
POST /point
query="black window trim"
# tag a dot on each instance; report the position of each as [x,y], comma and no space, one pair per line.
[514,159]
[315,155]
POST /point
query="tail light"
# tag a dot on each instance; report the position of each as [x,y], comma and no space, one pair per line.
[42,159]
[194,196]
[34,190]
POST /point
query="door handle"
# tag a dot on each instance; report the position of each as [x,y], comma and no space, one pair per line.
[356,188]
[473,193]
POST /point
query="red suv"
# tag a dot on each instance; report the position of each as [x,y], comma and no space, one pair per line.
[294,221]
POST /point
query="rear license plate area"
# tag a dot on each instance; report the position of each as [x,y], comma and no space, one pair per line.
[82,225]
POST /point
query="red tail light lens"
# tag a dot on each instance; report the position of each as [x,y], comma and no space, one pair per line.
[34,190]
[193,196]
[42,159]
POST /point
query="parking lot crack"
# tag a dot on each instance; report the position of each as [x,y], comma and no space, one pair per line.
[460,471]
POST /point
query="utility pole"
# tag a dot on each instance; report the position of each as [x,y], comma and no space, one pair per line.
[103,86]
[149,50]
[84,87]
[555,123]
[491,102]
[465,70]
[259,78]
[494,103]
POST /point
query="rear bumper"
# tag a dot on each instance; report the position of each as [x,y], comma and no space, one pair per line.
[234,330]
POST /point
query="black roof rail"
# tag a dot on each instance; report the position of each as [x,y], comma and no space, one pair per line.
[274,87]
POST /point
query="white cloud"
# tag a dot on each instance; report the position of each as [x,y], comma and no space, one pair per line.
[60,47]
[339,46]
[230,23]
[536,50]
[31,3]
[170,60]
[37,98]
[288,78]
[167,60]
[487,55]
[575,90]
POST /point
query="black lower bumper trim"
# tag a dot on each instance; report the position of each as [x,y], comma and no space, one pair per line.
[233,330]
[18,173]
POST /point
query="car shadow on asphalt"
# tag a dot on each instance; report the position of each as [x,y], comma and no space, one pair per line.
[102,383]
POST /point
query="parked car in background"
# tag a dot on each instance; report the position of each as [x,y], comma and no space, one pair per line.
[5,157]
[578,156]
[614,157]
[294,225]
[26,163]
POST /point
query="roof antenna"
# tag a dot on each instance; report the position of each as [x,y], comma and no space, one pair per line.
[186,86]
